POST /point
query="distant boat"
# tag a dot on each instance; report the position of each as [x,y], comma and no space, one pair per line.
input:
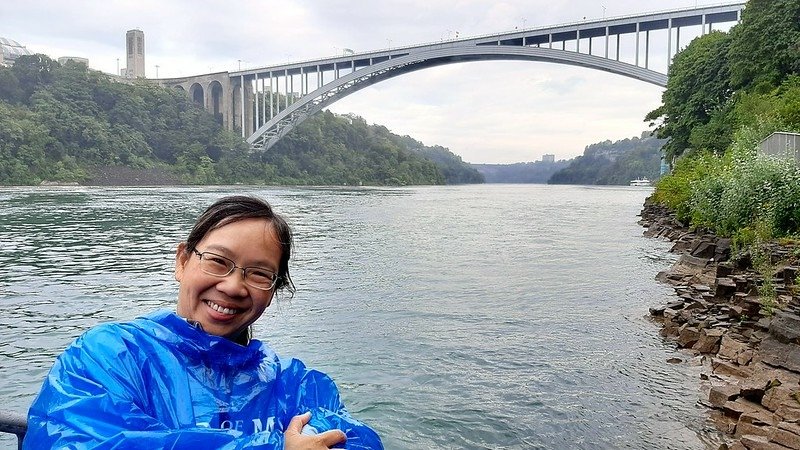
[640,182]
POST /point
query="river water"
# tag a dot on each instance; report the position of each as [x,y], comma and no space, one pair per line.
[466,317]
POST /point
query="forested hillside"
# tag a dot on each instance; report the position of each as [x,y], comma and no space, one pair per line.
[70,124]
[344,149]
[614,163]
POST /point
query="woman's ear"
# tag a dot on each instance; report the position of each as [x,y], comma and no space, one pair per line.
[181,258]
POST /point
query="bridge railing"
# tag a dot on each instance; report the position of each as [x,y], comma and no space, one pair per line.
[14,423]
[467,38]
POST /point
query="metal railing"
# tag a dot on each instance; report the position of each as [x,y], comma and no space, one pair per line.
[14,423]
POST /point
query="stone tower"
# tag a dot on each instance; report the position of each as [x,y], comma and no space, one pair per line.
[135,53]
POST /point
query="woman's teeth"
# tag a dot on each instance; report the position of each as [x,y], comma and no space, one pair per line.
[221,309]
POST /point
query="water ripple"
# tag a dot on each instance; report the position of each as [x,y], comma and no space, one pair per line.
[503,317]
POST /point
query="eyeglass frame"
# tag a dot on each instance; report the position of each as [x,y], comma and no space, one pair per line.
[232,269]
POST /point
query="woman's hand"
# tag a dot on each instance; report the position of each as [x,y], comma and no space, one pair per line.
[293,440]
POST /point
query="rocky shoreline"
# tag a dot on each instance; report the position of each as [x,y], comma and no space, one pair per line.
[750,354]
[128,176]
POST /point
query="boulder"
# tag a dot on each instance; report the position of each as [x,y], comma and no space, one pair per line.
[709,340]
[695,305]
[776,396]
[778,354]
[730,348]
[759,422]
[723,252]
[722,367]
[752,442]
[764,323]
[745,357]
[788,413]
[735,408]
[701,287]
[724,287]
[785,326]
[688,336]
[703,249]
[669,313]
[720,394]
[786,434]
[676,305]
[752,389]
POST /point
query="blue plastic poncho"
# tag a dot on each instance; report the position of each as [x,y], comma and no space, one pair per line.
[160,382]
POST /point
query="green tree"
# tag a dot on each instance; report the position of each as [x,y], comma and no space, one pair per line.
[10,90]
[765,46]
[32,72]
[698,89]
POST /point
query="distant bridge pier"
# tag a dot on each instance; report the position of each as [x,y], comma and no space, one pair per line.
[213,91]
[242,106]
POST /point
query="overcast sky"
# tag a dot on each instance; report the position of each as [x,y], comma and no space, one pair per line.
[486,112]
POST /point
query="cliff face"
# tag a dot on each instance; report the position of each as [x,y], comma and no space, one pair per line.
[750,353]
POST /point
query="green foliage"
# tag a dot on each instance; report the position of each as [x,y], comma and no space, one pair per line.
[330,149]
[453,168]
[697,92]
[69,120]
[613,163]
[676,189]
[31,72]
[765,47]
[732,193]
[70,124]
[754,240]
[720,81]
[758,190]
[735,193]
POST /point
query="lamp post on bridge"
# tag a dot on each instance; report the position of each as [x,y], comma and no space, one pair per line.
[156,70]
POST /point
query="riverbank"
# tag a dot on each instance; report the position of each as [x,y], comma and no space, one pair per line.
[128,176]
[750,354]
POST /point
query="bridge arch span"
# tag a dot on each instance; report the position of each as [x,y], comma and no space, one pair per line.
[273,130]
[196,94]
[215,97]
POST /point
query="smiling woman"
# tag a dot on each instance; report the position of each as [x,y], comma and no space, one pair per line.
[195,378]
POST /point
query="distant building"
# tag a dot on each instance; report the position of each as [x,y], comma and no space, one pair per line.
[549,159]
[65,59]
[781,145]
[11,50]
[134,46]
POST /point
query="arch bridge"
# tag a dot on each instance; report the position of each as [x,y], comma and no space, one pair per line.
[264,104]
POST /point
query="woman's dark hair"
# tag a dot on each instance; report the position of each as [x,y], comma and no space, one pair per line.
[239,207]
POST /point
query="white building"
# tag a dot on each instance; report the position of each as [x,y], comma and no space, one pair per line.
[11,50]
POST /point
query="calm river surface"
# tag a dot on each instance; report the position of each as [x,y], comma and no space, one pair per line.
[468,317]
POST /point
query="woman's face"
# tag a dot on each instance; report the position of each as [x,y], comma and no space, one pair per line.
[226,306]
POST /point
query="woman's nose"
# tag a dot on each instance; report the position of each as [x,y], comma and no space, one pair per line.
[233,284]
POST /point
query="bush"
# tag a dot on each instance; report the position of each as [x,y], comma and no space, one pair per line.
[676,190]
